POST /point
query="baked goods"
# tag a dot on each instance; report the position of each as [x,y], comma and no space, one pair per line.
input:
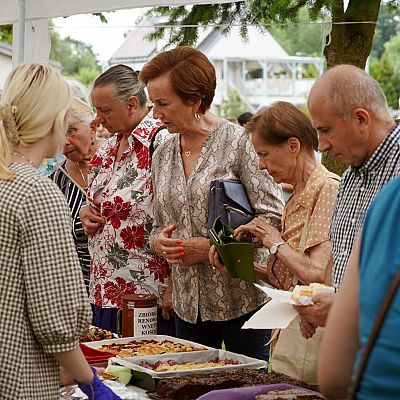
[302,295]
[94,333]
[147,347]
[172,365]
[192,386]
[290,394]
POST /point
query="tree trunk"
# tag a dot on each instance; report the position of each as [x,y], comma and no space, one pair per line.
[350,44]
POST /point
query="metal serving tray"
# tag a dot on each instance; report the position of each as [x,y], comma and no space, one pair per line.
[158,338]
[146,377]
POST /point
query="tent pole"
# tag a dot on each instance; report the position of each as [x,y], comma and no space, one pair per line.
[21,32]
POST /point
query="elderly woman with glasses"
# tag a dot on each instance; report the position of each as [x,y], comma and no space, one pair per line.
[72,177]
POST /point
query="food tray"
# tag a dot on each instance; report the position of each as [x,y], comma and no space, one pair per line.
[247,393]
[146,377]
[158,338]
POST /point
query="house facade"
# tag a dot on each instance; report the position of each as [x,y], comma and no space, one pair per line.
[6,63]
[258,69]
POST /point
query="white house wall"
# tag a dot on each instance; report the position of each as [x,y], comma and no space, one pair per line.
[5,68]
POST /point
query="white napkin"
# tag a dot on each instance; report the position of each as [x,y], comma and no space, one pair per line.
[276,314]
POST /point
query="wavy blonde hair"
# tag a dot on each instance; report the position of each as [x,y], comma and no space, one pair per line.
[35,100]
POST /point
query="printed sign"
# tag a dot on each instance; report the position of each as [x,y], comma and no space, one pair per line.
[145,321]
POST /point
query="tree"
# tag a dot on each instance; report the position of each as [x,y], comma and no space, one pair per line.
[6,33]
[386,70]
[232,107]
[77,58]
[387,26]
[382,71]
[349,41]
[303,38]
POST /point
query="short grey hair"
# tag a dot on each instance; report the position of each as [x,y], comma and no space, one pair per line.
[351,87]
[80,111]
[126,83]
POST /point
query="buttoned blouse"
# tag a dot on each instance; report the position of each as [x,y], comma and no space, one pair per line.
[306,223]
[227,153]
[121,261]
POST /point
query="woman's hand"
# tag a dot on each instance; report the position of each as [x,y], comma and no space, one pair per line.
[196,250]
[176,251]
[169,248]
[260,230]
[215,259]
[91,219]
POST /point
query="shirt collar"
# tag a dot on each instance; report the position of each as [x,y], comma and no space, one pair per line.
[381,153]
[142,132]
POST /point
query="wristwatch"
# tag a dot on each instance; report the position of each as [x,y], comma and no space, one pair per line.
[274,247]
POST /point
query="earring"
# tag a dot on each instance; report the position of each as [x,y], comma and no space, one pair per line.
[92,143]
[197,116]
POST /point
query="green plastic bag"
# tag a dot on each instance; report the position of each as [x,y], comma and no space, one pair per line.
[236,255]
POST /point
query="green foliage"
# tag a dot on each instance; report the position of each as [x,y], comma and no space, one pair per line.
[232,107]
[76,57]
[304,38]
[382,71]
[6,33]
[387,25]
[261,13]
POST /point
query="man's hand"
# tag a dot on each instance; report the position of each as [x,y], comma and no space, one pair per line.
[307,330]
[317,314]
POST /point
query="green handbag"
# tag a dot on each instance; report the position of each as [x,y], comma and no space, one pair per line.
[237,256]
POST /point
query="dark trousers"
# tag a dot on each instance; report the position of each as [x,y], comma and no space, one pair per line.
[250,342]
[111,319]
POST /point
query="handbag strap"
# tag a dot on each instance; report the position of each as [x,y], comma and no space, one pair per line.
[374,333]
[73,181]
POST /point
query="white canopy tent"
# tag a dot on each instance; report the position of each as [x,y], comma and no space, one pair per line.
[31,39]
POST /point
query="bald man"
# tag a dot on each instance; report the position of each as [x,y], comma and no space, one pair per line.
[350,113]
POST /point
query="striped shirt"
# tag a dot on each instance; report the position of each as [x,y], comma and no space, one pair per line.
[75,199]
[357,189]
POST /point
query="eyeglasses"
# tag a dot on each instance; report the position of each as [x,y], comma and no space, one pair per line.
[71,130]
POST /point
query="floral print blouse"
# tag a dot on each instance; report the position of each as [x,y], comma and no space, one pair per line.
[121,261]
[227,153]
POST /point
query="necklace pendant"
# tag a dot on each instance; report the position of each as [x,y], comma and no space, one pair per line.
[187,153]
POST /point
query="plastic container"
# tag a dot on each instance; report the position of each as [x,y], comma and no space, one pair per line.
[139,315]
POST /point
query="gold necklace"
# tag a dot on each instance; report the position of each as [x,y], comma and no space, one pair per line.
[23,157]
[83,178]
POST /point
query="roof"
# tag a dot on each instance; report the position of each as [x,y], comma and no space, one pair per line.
[259,45]
[135,46]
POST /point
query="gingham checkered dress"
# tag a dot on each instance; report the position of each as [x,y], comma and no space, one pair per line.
[43,301]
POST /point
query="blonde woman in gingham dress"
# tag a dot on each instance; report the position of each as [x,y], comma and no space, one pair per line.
[44,306]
